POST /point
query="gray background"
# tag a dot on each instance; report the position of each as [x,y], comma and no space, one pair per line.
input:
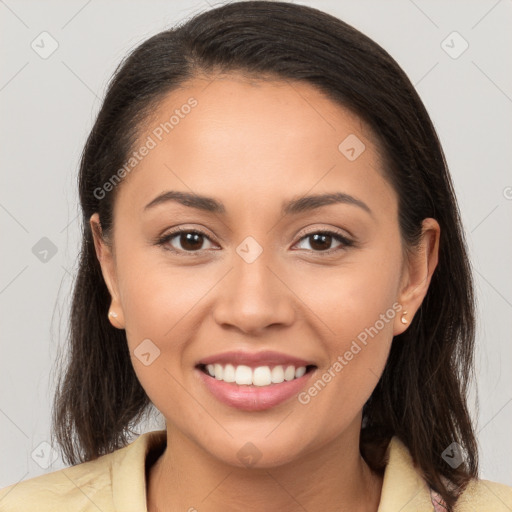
[48,107]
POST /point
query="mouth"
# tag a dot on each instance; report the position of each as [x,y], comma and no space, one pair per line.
[254,386]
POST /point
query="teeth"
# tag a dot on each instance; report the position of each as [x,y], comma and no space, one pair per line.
[299,372]
[243,375]
[289,373]
[229,373]
[260,376]
[277,374]
[219,371]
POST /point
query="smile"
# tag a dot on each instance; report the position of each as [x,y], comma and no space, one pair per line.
[253,381]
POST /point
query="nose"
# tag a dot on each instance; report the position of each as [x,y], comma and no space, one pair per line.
[254,296]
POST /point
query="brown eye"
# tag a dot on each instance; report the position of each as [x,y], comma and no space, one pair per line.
[184,241]
[321,241]
[191,241]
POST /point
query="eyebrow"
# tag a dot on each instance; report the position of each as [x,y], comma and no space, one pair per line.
[292,207]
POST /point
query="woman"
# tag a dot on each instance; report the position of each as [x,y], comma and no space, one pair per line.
[272,255]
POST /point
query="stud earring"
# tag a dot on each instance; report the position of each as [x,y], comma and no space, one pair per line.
[113,314]
[403,319]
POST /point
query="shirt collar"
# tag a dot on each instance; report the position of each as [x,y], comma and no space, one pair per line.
[403,487]
[129,471]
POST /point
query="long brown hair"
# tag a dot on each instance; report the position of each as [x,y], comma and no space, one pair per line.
[421,396]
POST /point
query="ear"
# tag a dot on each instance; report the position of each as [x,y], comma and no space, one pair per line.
[106,258]
[417,274]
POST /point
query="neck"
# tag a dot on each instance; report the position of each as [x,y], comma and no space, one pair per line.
[333,477]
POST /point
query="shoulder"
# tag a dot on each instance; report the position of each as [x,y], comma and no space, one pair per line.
[478,495]
[86,486]
[115,481]
[485,495]
[405,488]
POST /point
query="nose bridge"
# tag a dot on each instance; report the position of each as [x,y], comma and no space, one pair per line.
[253,297]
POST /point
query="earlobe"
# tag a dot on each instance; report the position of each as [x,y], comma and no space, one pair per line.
[420,267]
[106,260]
[402,320]
[116,319]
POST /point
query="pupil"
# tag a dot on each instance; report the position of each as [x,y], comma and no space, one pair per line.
[323,238]
[190,238]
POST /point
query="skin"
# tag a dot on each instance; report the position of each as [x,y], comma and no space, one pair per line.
[252,145]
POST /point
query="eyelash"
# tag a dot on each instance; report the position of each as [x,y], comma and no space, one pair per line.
[173,234]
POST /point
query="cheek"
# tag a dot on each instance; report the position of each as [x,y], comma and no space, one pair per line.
[156,295]
[157,302]
[160,303]
[352,297]
[358,305]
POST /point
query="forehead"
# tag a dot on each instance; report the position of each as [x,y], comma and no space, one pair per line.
[235,106]
[254,138]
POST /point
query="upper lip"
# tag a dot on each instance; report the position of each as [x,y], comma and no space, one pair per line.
[254,359]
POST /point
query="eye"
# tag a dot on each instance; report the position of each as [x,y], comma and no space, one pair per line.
[189,239]
[321,241]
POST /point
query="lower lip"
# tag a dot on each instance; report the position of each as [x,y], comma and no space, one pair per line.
[253,398]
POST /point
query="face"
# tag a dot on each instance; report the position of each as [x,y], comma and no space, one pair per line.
[261,276]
